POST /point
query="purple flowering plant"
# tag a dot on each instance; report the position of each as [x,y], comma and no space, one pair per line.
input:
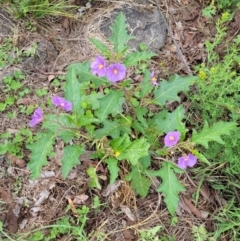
[127,121]
[37,117]
[62,103]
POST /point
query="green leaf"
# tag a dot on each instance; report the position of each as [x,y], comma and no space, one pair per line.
[166,121]
[93,100]
[201,157]
[81,72]
[73,88]
[91,171]
[3,148]
[136,150]
[145,162]
[119,36]
[100,46]
[114,128]
[39,152]
[133,59]
[113,169]
[110,104]
[140,112]
[121,143]
[71,158]
[170,186]
[139,182]
[146,84]
[61,125]
[3,106]
[168,90]
[212,133]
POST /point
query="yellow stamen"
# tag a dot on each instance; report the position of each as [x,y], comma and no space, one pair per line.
[100,66]
[153,79]
[115,71]
[117,153]
[171,138]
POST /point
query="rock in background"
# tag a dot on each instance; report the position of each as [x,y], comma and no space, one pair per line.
[144,22]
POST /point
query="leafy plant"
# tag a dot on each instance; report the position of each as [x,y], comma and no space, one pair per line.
[64,226]
[200,233]
[151,234]
[218,99]
[118,123]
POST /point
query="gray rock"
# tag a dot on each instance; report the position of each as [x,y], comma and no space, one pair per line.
[44,54]
[147,27]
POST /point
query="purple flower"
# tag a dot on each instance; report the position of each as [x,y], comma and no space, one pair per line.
[187,161]
[172,138]
[153,79]
[98,67]
[37,117]
[62,103]
[116,72]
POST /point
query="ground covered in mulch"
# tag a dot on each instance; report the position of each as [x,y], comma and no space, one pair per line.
[36,203]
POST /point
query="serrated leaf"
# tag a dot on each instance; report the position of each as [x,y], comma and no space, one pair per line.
[113,128]
[100,46]
[133,59]
[71,158]
[168,90]
[85,120]
[169,121]
[110,104]
[201,157]
[170,186]
[140,112]
[139,182]
[121,143]
[93,99]
[61,125]
[73,88]
[212,133]
[146,84]
[81,72]
[91,171]
[145,162]
[119,36]
[39,152]
[113,169]
[136,150]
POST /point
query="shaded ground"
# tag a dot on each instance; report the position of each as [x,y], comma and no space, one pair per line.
[42,202]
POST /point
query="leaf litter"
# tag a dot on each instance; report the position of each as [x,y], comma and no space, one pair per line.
[50,192]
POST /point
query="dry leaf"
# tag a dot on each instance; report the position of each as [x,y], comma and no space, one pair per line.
[80,199]
[24,101]
[12,220]
[205,192]
[128,236]
[128,212]
[71,204]
[15,160]
[204,214]
[51,77]
[193,209]
[111,188]
[43,196]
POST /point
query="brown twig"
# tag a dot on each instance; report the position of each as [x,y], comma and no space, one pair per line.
[180,54]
